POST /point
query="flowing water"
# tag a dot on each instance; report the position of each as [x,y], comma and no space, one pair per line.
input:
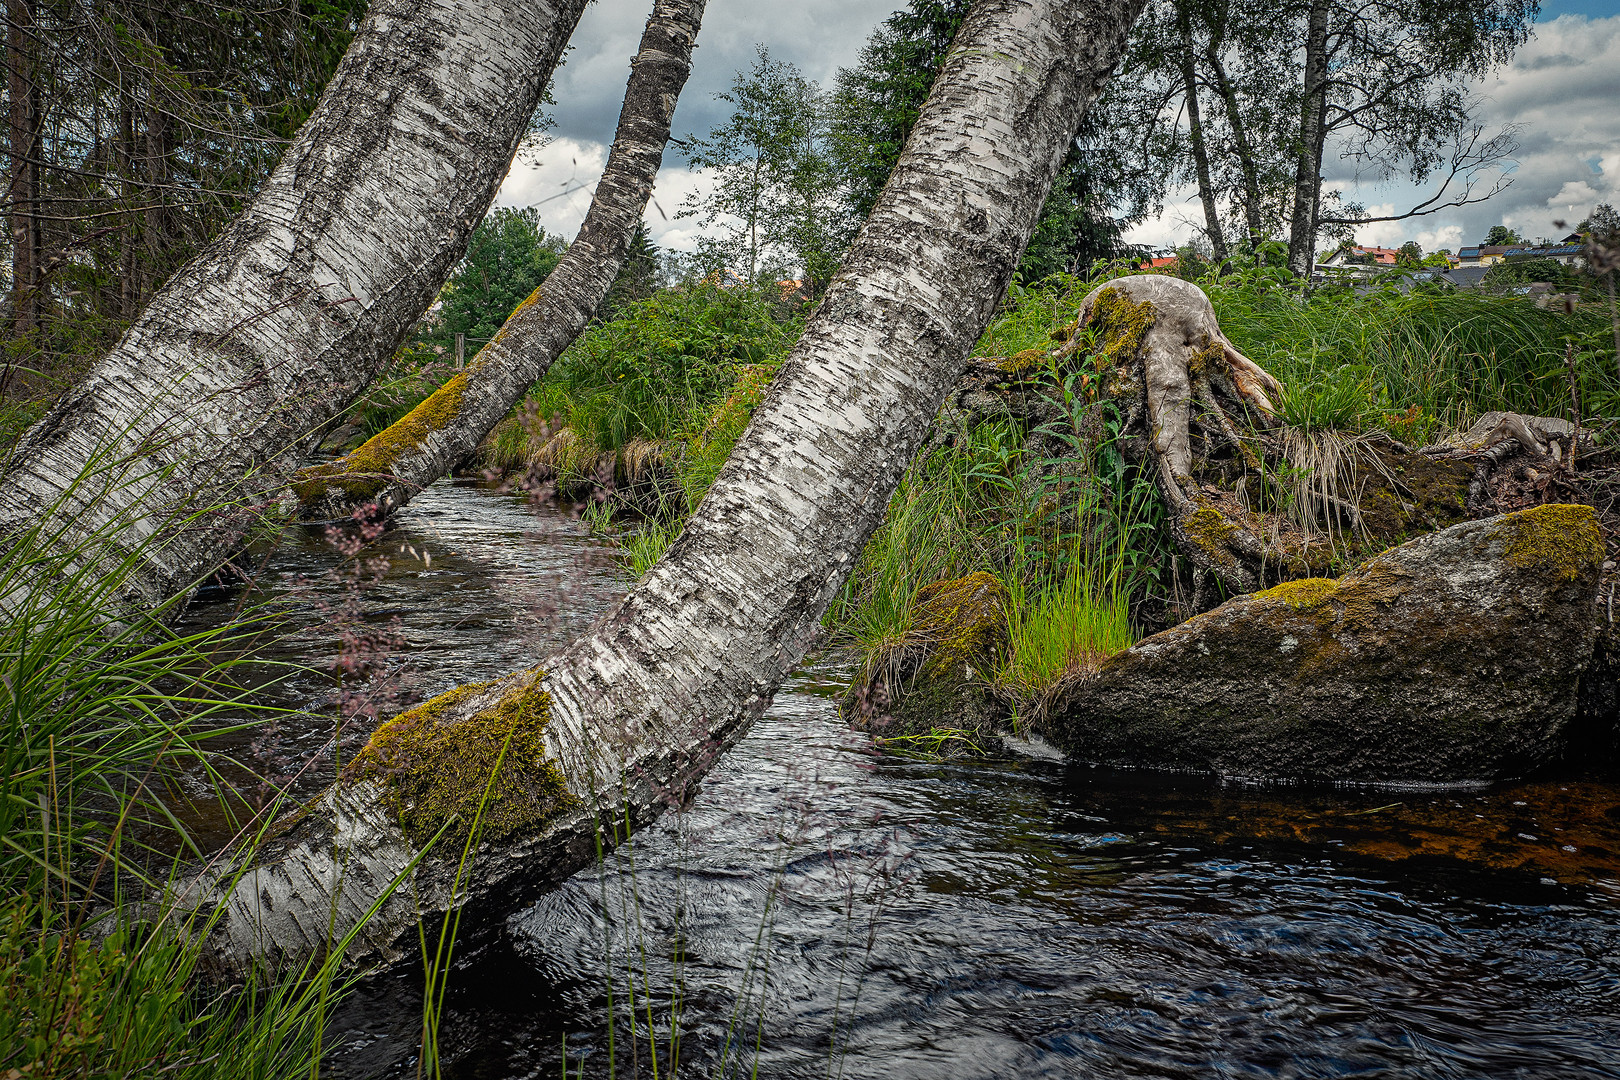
[823,908]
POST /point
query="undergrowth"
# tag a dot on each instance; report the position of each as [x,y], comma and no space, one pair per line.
[1070,531]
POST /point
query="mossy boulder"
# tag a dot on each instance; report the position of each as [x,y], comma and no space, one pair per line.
[931,688]
[1453,658]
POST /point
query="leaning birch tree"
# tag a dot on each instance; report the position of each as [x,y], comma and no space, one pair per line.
[158,461]
[422,446]
[598,737]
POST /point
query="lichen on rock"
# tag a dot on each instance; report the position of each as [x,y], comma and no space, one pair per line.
[436,762]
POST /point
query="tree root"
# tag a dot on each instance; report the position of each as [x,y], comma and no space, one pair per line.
[1251,501]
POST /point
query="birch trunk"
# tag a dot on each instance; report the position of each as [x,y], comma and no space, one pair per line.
[1195,133]
[1312,133]
[627,719]
[159,459]
[392,467]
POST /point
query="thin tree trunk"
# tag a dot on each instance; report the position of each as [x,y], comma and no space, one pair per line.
[627,719]
[1195,132]
[392,467]
[1240,133]
[1308,168]
[156,167]
[21,127]
[158,460]
[129,288]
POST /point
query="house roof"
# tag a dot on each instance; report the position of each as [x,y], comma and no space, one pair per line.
[1513,250]
[1380,256]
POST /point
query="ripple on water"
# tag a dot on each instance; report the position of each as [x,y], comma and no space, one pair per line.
[991,919]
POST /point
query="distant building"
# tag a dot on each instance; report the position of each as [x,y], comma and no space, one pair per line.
[1166,262]
[1489,255]
[1362,256]
[794,290]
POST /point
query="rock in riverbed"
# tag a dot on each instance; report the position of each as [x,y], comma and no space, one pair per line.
[1450,659]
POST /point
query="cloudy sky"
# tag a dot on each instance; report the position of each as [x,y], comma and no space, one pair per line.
[1562,90]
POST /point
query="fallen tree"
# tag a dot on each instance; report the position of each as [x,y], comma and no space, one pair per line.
[164,456]
[447,427]
[599,737]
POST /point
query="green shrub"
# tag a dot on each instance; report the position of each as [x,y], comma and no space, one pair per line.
[655,370]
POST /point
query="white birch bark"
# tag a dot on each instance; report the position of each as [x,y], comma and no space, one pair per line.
[163,454]
[643,703]
[393,466]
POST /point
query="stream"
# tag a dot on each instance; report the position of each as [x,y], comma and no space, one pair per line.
[826,908]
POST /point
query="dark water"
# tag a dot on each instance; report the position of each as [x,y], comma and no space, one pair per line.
[824,909]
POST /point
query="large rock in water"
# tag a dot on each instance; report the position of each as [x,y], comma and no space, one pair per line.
[1449,659]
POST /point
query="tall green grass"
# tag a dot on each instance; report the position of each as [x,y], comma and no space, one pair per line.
[946,519]
[1419,363]
[1066,616]
[109,777]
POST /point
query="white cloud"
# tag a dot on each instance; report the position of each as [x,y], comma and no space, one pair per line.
[556,180]
[1576,196]
[560,179]
[1181,220]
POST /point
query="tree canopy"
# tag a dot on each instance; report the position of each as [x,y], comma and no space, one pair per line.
[775,198]
[509,255]
[137,130]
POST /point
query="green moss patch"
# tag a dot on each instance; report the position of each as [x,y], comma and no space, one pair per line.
[437,768]
[1122,326]
[1302,595]
[967,618]
[365,472]
[1022,363]
[1559,539]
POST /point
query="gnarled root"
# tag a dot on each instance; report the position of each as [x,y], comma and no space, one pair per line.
[1545,447]
[1251,501]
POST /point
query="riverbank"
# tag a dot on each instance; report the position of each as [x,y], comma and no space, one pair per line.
[1026,480]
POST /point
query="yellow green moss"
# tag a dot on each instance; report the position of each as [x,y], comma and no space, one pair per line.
[1066,333]
[1022,363]
[967,618]
[1302,595]
[1122,325]
[1562,539]
[437,769]
[528,302]
[364,472]
[1209,529]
